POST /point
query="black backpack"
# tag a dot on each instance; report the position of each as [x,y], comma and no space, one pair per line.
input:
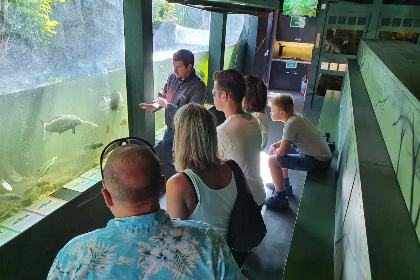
[247,228]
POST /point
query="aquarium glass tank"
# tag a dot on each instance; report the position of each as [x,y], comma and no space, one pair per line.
[177,27]
[340,41]
[411,37]
[62,98]
[237,29]
[300,8]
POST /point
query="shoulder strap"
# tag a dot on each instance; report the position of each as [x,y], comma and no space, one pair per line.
[239,176]
[192,186]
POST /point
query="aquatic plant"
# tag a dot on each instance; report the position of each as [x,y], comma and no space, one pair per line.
[27,19]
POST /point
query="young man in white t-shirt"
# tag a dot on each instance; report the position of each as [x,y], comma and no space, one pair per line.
[313,153]
[239,137]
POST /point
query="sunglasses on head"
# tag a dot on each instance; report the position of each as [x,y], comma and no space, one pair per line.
[120,142]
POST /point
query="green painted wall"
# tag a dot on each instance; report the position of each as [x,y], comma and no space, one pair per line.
[390,71]
[373,227]
[351,250]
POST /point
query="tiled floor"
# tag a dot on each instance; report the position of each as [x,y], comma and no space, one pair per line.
[267,261]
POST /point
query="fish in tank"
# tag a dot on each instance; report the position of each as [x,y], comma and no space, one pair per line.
[62,95]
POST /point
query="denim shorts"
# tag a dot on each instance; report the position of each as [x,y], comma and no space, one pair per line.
[301,162]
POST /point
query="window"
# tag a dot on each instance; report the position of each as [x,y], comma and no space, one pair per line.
[399,36]
[62,97]
[237,30]
[342,41]
[177,27]
[328,82]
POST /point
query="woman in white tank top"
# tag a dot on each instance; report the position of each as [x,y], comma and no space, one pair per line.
[205,187]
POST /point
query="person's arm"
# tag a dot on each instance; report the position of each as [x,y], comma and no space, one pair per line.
[175,194]
[155,105]
[274,147]
[284,147]
[199,94]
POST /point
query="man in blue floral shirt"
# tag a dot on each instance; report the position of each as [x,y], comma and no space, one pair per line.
[142,242]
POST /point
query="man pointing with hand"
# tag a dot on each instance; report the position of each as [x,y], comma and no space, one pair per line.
[182,87]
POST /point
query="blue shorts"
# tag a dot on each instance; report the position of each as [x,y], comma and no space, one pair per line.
[296,161]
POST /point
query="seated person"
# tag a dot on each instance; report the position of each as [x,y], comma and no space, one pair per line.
[142,242]
[254,102]
[204,188]
[313,152]
[239,136]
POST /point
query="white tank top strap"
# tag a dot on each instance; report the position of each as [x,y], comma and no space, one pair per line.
[194,179]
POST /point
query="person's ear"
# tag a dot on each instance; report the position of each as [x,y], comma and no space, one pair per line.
[162,184]
[224,95]
[107,198]
[189,67]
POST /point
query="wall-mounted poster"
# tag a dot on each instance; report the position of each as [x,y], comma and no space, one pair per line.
[300,7]
[324,65]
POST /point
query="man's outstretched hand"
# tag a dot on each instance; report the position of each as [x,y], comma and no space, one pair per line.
[149,107]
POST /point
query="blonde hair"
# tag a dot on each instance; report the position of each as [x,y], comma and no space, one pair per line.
[195,139]
[284,103]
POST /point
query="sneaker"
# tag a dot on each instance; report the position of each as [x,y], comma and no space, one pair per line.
[274,201]
[270,186]
[287,189]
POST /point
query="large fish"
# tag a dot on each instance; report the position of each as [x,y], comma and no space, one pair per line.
[113,103]
[63,123]
[10,197]
[44,169]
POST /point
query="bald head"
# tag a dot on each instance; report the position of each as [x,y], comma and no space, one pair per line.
[132,175]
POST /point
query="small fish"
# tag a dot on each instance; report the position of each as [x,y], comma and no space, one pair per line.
[6,185]
[10,197]
[20,219]
[41,182]
[108,129]
[51,184]
[1,231]
[63,123]
[124,121]
[44,169]
[44,204]
[93,145]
